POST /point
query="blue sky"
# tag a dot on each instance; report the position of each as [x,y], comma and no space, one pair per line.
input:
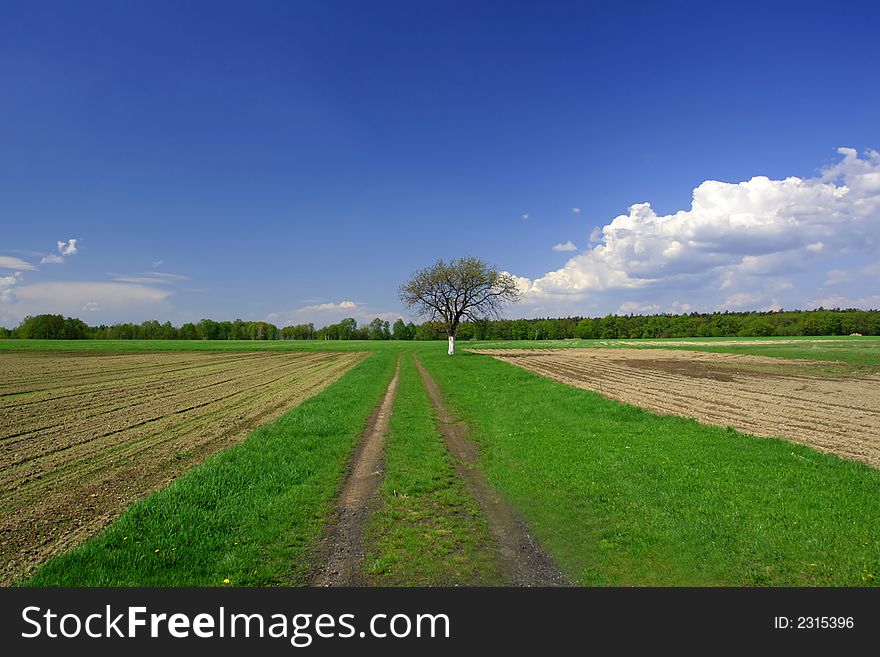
[297,161]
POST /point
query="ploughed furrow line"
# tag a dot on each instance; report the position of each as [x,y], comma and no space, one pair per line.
[38,376]
[129,402]
[815,411]
[835,414]
[693,398]
[48,505]
[122,438]
[195,431]
[616,380]
[99,382]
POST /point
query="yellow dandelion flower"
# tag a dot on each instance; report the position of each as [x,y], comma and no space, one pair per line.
[226,581]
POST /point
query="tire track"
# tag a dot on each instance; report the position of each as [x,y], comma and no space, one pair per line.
[342,550]
[526,562]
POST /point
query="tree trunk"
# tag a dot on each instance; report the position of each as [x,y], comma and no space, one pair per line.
[451,345]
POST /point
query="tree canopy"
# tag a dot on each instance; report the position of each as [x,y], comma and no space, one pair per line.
[466,288]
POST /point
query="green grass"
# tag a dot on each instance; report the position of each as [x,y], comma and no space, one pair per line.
[248,514]
[624,497]
[428,531]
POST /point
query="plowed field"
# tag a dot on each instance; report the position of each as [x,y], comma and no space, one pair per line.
[84,435]
[758,395]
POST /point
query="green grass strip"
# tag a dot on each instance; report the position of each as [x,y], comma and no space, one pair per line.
[428,531]
[246,516]
[621,496]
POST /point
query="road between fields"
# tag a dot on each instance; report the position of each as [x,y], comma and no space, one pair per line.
[341,552]
[526,562]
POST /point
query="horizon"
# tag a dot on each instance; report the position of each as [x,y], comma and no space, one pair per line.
[296,163]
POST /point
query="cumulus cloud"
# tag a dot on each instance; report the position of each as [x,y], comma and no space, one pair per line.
[9,262]
[67,248]
[565,246]
[6,285]
[738,238]
[575,210]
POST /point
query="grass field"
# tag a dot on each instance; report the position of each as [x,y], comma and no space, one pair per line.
[618,496]
[624,497]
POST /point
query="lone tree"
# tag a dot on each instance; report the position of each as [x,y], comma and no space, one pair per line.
[467,288]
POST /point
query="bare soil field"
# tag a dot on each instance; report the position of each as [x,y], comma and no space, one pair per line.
[83,435]
[755,394]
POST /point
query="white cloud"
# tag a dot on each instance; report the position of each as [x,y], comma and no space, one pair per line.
[6,285]
[342,305]
[837,276]
[575,210]
[323,314]
[736,237]
[67,248]
[842,301]
[158,263]
[9,262]
[110,302]
[149,278]
[636,308]
[524,215]
[567,246]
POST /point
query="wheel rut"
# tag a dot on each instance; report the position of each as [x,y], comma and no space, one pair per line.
[341,552]
[526,562]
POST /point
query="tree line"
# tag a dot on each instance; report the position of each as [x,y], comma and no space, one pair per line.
[725,324]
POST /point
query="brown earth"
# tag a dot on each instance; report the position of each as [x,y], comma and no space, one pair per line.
[84,435]
[525,561]
[340,554]
[758,395]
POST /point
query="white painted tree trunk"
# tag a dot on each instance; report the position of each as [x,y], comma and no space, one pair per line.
[451,345]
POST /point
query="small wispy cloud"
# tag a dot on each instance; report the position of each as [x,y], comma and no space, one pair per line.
[149,278]
[565,246]
[9,262]
[158,263]
[525,216]
[65,248]
[575,210]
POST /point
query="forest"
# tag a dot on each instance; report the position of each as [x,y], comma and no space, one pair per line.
[719,324]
